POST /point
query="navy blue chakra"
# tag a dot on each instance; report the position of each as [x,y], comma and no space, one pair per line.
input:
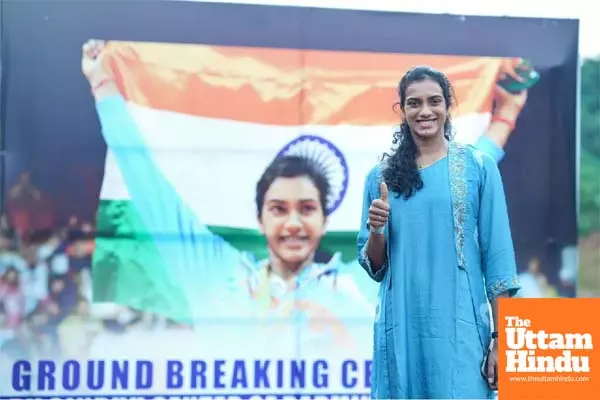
[329,158]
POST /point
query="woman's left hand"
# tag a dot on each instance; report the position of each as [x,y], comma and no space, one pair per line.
[509,105]
[492,367]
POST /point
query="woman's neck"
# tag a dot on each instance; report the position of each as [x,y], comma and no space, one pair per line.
[430,151]
[286,270]
[432,147]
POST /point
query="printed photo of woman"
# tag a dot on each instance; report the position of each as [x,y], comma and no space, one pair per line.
[218,280]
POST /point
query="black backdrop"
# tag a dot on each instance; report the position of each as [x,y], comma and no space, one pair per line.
[50,127]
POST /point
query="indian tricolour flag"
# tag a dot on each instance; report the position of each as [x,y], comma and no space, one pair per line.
[214,117]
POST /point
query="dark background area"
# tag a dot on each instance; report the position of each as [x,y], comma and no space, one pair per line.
[50,128]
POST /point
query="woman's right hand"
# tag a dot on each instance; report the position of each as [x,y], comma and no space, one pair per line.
[93,62]
[379,210]
[96,70]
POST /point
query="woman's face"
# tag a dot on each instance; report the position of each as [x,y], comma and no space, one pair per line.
[293,220]
[425,109]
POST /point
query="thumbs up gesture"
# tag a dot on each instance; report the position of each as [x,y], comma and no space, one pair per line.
[379,210]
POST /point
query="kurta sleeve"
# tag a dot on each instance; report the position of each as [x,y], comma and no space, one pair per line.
[371,189]
[497,251]
[190,249]
[490,147]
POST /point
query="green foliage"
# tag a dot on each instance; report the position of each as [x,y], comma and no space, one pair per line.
[589,217]
[589,193]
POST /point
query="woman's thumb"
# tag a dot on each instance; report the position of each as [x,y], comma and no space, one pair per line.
[383,192]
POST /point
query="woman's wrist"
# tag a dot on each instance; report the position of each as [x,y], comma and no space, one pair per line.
[378,231]
[508,113]
[494,339]
[99,85]
[98,76]
[102,85]
[99,79]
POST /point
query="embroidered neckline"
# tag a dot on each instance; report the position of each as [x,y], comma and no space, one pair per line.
[422,167]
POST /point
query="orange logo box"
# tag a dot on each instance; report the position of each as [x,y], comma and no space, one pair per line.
[549,349]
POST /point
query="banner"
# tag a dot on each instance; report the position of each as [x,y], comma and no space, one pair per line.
[147,244]
[226,114]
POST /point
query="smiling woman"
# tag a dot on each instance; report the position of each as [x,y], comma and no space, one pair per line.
[435,239]
[292,212]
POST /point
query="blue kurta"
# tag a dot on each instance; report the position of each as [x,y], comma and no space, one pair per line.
[449,250]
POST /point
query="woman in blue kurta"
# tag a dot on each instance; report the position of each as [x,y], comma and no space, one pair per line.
[435,233]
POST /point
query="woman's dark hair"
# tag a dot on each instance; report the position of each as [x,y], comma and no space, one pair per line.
[293,167]
[401,173]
